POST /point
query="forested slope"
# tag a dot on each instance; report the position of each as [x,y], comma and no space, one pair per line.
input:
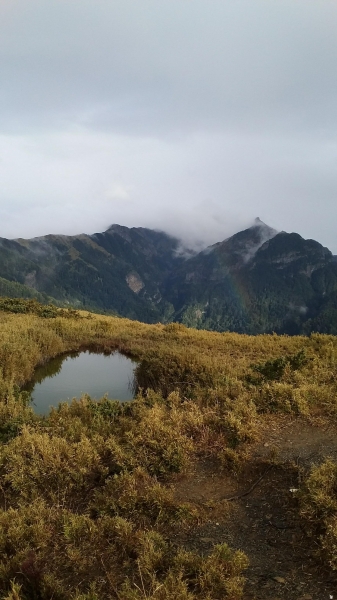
[257,281]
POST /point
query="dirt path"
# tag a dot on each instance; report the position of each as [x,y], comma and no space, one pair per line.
[265,522]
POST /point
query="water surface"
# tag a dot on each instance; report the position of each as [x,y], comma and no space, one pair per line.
[73,375]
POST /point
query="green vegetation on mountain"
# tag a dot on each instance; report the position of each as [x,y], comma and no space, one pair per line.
[12,289]
[121,270]
[257,281]
[288,285]
[90,500]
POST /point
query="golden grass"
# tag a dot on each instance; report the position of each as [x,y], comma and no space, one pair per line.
[86,501]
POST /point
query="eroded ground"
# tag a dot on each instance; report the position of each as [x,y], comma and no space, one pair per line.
[256,510]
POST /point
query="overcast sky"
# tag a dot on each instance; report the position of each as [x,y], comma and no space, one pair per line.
[191,116]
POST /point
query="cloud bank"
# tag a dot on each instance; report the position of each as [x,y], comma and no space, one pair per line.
[176,115]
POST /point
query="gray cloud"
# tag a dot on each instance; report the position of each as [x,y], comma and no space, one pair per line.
[175,64]
[181,115]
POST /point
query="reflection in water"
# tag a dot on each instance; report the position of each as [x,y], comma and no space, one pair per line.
[50,369]
[73,375]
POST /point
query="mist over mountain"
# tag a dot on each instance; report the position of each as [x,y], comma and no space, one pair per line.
[258,280]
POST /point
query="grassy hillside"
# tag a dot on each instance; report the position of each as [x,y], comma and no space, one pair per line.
[141,500]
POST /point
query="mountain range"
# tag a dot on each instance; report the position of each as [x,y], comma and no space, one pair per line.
[257,281]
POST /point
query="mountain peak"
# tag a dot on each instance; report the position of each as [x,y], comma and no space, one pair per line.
[262,233]
[242,246]
[263,226]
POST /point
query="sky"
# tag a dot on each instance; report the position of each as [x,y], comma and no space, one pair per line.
[189,116]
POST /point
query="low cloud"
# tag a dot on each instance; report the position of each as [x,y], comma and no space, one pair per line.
[264,234]
[300,309]
[168,115]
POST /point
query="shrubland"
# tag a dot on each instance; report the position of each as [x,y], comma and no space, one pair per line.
[87,505]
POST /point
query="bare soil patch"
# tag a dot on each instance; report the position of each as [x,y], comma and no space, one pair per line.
[262,517]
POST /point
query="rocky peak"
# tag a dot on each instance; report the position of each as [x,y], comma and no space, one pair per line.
[243,246]
[264,230]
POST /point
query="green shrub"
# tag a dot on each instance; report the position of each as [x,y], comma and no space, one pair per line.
[273,370]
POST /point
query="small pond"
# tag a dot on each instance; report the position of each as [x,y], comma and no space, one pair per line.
[71,376]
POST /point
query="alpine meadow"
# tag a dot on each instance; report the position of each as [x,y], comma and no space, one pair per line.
[217,481]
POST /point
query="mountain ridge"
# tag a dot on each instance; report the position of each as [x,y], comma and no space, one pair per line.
[258,280]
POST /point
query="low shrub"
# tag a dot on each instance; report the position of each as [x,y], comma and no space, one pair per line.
[318,507]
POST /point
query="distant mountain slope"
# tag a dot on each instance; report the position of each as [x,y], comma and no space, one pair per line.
[258,280]
[245,284]
[12,289]
[121,269]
